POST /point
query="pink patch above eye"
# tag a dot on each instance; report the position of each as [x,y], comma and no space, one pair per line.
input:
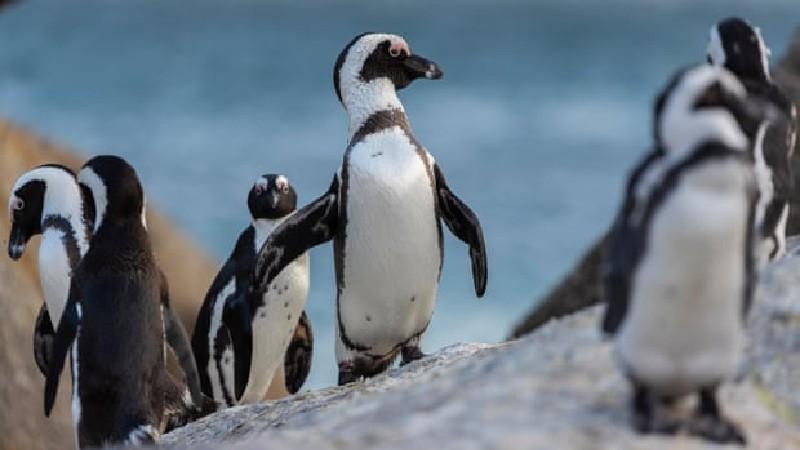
[282,184]
[399,48]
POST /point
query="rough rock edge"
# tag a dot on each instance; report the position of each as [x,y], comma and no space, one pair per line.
[556,388]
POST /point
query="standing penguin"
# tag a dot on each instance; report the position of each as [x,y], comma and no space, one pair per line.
[240,339]
[113,320]
[47,200]
[681,255]
[383,212]
[740,48]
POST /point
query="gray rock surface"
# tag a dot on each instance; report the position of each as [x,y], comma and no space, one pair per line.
[555,389]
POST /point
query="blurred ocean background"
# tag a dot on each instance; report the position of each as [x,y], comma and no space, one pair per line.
[543,108]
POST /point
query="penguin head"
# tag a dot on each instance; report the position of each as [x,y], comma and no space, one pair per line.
[707,103]
[47,190]
[381,60]
[740,48]
[271,197]
[116,192]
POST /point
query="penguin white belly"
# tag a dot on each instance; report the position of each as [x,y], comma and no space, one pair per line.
[685,326]
[54,272]
[274,324]
[391,254]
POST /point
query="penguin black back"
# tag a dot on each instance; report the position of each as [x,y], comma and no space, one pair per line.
[114,316]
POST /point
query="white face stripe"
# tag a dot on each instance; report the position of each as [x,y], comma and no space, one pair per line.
[14,203]
[144,211]
[715,50]
[90,179]
[262,183]
[682,127]
[362,99]
[62,197]
[281,182]
[765,52]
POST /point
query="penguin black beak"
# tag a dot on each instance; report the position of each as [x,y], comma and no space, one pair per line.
[273,199]
[16,242]
[419,67]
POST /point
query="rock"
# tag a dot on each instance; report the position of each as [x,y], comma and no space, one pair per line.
[22,423]
[556,388]
[581,288]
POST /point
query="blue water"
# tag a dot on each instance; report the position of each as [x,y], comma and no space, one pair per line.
[543,108]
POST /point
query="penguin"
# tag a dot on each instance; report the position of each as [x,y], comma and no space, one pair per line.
[48,200]
[383,211]
[114,310]
[241,340]
[682,253]
[739,47]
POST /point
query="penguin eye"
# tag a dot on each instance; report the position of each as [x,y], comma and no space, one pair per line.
[17,204]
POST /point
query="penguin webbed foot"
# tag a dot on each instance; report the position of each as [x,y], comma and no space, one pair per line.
[651,415]
[709,423]
[363,367]
[347,373]
[410,354]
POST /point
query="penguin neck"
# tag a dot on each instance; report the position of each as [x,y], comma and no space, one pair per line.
[65,204]
[756,72]
[263,228]
[363,100]
[683,133]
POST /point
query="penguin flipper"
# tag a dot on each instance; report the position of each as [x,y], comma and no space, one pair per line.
[617,277]
[297,361]
[625,244]
[236,318]
[464,224]
[65,335]
[310,226]
[43,335]
[178,340]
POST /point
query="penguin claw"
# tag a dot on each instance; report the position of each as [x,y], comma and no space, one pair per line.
[656,424]
[717,429]
[410,354]
[347,373]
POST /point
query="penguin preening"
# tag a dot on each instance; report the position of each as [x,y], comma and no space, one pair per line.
[383,212]
[241,341]
[680,269]
[115,309]
[47,200]
[739,47]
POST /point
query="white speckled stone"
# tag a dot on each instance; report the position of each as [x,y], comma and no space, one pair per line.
[556,389]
